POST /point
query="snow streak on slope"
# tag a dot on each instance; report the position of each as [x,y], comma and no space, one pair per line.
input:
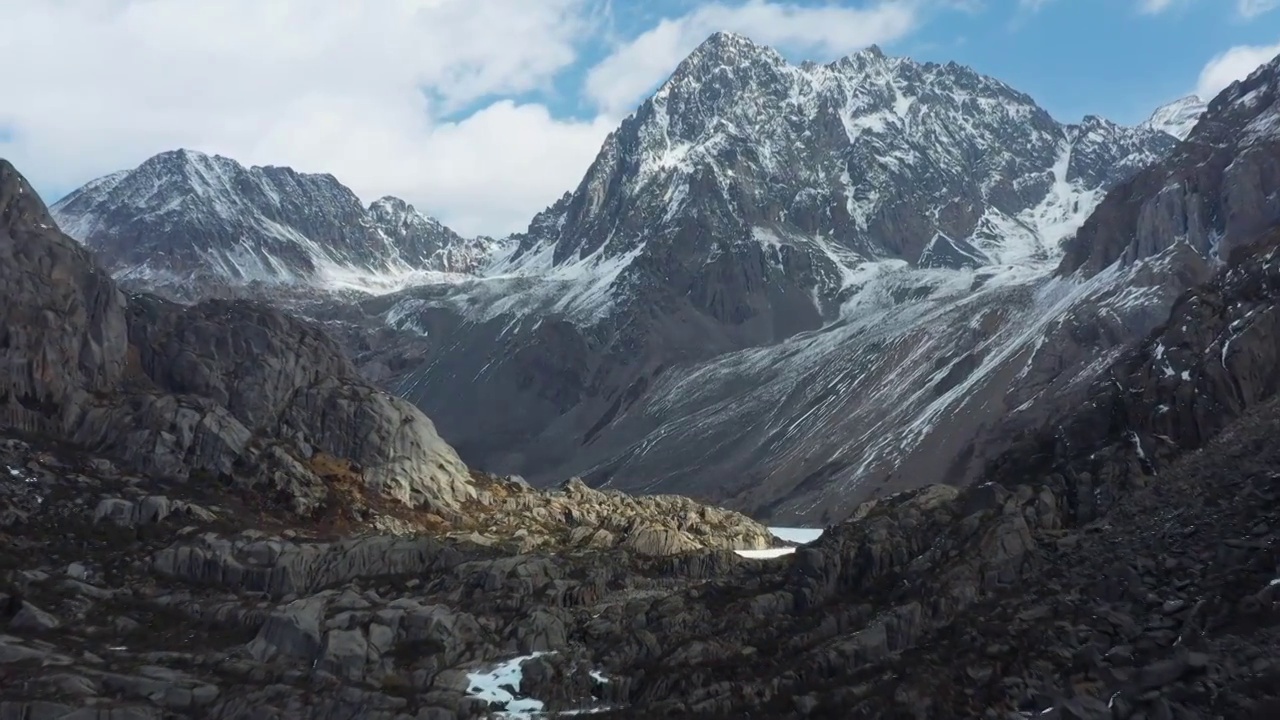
[870,394]
[861,160]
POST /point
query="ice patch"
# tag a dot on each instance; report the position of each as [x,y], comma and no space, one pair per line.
[789,534]
[800,535]
[765,554]
[500,685]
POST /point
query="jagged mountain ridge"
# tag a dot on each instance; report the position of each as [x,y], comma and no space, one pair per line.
[783,287]
[723,339]
[184,215]
[923,373]
[874,155]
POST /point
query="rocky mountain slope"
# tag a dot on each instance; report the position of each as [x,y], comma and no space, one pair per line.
[139,596]
[232,392]
[777,284]
[194,225]
[787,289]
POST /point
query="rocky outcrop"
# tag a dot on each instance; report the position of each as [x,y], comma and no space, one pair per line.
[179,390]
[1214,193]
[578,517]
[62,322]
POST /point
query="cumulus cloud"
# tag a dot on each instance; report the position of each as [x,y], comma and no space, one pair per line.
[366,91]
[641,64]
[1234,64]
[1145,7]
[1253,8]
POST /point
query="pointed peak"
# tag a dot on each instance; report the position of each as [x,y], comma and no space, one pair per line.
[729,47]
[1096,121]
[391,202]
[725,38]
[184,158]
[720,51]
[1177,118]
[869,56]
[872,50]
[184,155]
[20,207]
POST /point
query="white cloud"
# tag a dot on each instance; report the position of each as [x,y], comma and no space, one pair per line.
[1253,8]
[357,89]
[1234,64]
[1145,7]
[642,64]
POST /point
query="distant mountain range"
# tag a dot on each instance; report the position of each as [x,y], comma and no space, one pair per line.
[197,224]
[786,288]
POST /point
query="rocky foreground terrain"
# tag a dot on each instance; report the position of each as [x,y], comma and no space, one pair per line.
[1151,591]
[205,513]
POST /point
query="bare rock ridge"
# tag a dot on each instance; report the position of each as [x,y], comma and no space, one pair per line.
[238,392]
[194,225]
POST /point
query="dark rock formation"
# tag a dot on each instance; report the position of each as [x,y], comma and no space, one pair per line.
[238,392]
[181,390]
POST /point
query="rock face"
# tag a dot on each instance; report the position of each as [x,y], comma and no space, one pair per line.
[182,390]
[1203,369]
[71,327]
[194,225]
[1214,193]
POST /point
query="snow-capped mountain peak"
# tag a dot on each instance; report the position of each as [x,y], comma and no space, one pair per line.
[1179,117]
[184,217]
[870,157]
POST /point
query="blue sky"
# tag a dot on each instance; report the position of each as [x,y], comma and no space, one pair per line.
[483,112]
[1102,57]
[1116,58]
